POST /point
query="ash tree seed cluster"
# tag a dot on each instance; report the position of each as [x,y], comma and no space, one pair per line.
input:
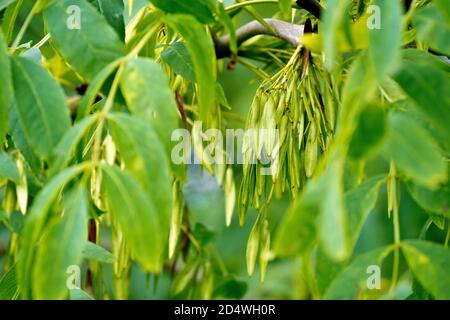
[209,149]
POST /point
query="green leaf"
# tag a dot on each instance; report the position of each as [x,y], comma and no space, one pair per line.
[5,3]
[319,213]
[385,41]
[9,289]
[226,21]
[427,86]
[332,220]
[8,169]
[36,221]
[285,7]
[6,92]
[78,294]
[433,201]
[201,49]
[83,48]
[369,134]
[17,221]
[335,18]
[185,276]
[198,8]
[178,58]
[353,279]
[21,143]
[433,27]
[95,86]
[326,270]
[9,19]
[144,158]
[135,215]
[61,247]
[149,97]
[413,151]
[94,252]
[113,11]
[230,288]
[429,263]
[359,202]
[297,231]
[355,96]
[63,151]
[41,105]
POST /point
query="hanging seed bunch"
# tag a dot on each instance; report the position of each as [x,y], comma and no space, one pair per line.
[299,102]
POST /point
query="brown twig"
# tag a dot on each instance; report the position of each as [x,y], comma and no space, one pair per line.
[180,105]
[312,6]
[289,32]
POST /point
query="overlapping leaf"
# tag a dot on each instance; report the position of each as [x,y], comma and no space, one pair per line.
[135,215]
[41,106]
[79,43]
[61,247]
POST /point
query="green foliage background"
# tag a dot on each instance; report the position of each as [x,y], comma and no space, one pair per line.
[86,117]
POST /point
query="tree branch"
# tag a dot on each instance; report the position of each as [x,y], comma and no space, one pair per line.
[291,33]
[312,6]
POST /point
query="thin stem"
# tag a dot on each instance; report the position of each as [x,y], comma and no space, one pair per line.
[25,25]
[142,43]
[447,237]
[219,261]
[396,224]
[259,72]
[42,41]
[234,117]
[239,5]
[103,115]
[110,99]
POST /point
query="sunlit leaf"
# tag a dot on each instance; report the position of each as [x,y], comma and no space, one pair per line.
[201,49]
[80,45]
[61,247]
[135,215]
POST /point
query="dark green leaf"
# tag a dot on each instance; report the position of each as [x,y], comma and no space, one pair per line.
[6,92]
[198,8]
[369,134]
[359,202]
[94,252]
[427,86]
[113,11]
[179,59]
[9,289]
[429,263]
[414,152]
[434,201]
[41,105]
[230,288]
